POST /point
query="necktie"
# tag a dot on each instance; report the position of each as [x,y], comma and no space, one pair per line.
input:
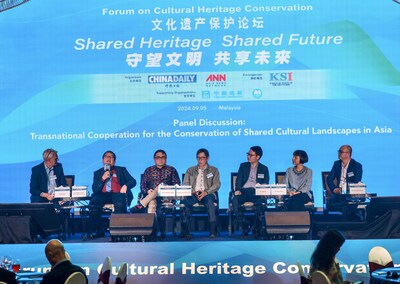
[51,185]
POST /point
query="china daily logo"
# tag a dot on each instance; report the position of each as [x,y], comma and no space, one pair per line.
[162,79]
[281,78]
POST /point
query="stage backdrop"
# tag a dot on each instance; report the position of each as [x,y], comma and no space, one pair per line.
[206,262]
[135,76]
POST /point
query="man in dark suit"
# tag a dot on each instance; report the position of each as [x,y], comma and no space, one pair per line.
[344,171]
[111,184]
[250,173]
[61,266]
[45,177]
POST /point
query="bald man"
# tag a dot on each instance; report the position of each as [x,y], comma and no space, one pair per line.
[61,267]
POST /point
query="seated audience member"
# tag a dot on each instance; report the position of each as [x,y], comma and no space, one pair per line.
[45,178]
[298,180]
[324,256]
[111,184]
[8,277]
[61,267]
[153,176]
[250,173]
[204,180]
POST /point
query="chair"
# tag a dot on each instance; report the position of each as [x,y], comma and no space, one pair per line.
[303,278]
[76,278]
[280,177]
[319,277]
[122,274]
[70,179]
[104,276]
[379,258]
[326,191]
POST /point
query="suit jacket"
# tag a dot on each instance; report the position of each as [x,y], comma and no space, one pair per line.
[7,276]
[123,176]
[211,179]
[39,180]
[354,173]
[244,172]
[60,272]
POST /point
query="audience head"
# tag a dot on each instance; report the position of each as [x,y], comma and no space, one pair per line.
[326,250]
[55,251]
[109,158]
[50,157]
[302,155]
[160,158]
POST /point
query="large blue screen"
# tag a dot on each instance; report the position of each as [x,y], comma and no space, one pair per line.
[135,76]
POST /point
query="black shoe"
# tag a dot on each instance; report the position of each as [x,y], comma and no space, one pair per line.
[138,209]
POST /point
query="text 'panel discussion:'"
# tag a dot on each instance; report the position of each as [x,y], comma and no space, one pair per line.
[199,141]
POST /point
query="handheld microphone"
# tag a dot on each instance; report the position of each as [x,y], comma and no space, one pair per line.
[107,167]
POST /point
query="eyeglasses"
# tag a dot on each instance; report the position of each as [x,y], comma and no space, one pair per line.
[160,157]
[344,152]
[251,155]
[109,156]
[201,158]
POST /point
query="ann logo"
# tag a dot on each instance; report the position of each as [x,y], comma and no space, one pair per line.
[216,78]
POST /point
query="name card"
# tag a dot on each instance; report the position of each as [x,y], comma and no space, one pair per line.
[271,189]
[62,192]
[357,188]
[79,191]
[166,190]
[183,190]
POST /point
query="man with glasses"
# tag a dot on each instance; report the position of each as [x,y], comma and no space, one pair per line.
[46,177]
[111,184]
[153,176]
[205,183]
[344,171]
[250,173]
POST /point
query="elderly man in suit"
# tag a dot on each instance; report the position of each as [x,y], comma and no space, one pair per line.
[344,171]
[46,177]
